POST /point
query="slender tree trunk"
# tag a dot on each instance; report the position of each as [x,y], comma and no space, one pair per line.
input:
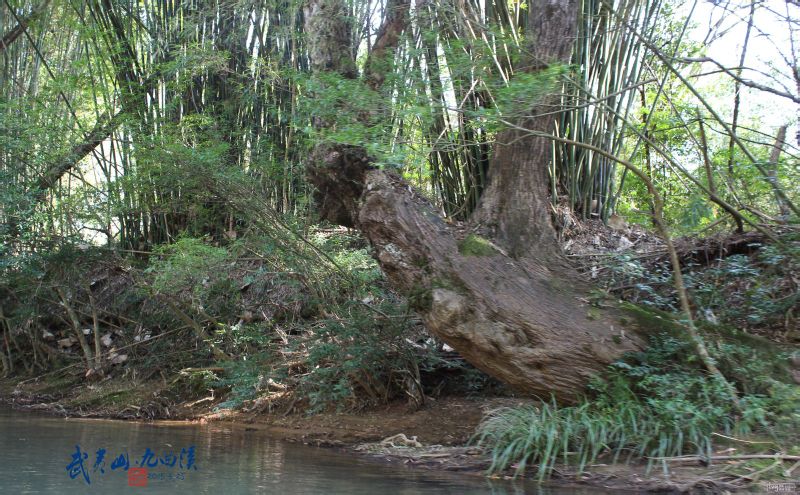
[102,130]
[98,351]
[780,141]
[76,326]
[4,362]
[737,88]
[8,363]
[505,300]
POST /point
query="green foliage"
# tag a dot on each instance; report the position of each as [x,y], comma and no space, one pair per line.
[356,110]
[525,90]
[193,61]
[242,379]
[185,263]
[356,353]
[359,355]
[743,291]
[749,291]
[652,285]
[192,269]
[657,403]
[341,345]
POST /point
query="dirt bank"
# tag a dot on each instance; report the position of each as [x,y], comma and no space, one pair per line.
[435,436]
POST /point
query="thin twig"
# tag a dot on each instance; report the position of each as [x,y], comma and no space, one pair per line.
[698,458]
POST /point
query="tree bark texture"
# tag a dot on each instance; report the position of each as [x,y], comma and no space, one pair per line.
[496,290]
[516,204]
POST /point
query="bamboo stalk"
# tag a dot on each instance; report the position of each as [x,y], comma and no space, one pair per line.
[737,140]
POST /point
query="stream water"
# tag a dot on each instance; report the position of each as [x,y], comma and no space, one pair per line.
[42,454]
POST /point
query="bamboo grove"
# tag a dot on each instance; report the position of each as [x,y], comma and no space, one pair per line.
[114,110]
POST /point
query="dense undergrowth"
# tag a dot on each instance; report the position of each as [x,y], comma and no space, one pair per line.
[756,292]
[652,405]
[248,321]
[261,328]
[662,403]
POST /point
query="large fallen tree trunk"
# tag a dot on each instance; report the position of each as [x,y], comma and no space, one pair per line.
[525,323]
[510,305]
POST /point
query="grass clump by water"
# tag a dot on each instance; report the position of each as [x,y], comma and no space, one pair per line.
[655,404]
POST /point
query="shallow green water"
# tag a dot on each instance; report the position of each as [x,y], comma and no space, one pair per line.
[35,452]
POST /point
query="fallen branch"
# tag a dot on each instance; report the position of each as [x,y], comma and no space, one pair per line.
[753,477]
[698,458]
[106,354]
[22,24]
[215,369]
[788,472]
[739,439]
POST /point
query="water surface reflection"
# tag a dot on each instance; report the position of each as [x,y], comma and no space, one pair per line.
[230,460]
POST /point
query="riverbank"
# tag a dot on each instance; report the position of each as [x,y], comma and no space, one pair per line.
[446,421]
[202,333]
[435,436]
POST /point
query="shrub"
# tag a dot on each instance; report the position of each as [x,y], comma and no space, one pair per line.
[357,358]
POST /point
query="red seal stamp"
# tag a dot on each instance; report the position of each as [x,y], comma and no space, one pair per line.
[137,477]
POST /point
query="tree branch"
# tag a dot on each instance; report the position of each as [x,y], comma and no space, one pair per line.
[22,24]
[741,80]
[104,127]
[388,36]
